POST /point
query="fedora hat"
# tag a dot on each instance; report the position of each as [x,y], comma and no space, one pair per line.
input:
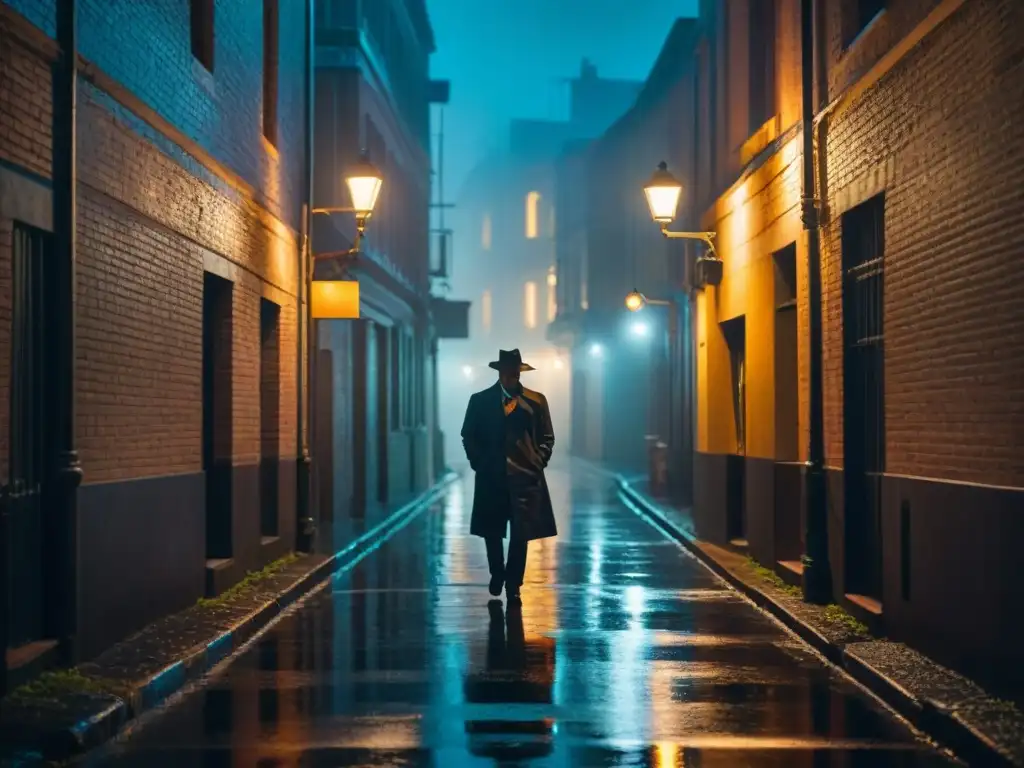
[510,358]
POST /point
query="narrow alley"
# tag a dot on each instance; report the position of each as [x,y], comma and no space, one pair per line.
[626,651]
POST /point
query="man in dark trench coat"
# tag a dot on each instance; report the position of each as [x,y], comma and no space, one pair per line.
[508,438]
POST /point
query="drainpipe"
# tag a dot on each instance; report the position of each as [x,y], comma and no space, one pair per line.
[817,578]
[68,471]
[304,517]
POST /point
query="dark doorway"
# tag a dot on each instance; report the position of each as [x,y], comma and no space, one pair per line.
[29,437]
[788,528]
[787,414]
[735,332]
[217,413]
[270,417]
[389,348]
[863,241]
[323,434]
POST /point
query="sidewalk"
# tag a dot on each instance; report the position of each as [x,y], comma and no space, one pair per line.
[67,712]
[948,707]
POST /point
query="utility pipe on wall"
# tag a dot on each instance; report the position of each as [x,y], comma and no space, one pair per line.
[817,577]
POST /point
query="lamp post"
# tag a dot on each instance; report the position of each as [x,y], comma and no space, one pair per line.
[364,181]
[680,437]
[663,191]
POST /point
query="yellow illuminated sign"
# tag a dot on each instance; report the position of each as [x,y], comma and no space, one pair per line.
[335,300]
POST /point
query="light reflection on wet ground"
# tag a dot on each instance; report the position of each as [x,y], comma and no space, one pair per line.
[626,652]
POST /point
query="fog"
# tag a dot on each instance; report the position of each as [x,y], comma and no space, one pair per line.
[529,80]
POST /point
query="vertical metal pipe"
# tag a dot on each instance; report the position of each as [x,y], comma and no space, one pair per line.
[62,513]
[304,475]
[817,580]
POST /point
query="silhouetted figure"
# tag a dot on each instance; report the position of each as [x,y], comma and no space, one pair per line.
[508,438]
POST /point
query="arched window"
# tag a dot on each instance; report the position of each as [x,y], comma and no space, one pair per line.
[485,311]
[530,305]
[485,233]
[552,296]
[532,204]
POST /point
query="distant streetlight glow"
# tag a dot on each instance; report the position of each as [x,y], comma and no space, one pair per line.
[467,371]
[663,191]
[596,350]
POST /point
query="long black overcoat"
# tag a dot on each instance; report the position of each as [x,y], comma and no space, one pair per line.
[525,504]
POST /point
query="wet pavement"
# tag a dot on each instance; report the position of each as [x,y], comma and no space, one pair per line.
[625,652]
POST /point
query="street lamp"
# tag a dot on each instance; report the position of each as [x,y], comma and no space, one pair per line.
[364,181]
[663,191]
[635,301]
[336,300]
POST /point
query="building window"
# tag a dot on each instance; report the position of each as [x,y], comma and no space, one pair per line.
[485,311]
[735,332]
[530,305]
[270,414]
[552,296]
[485,233]
[762,63]
[532,203]
[584,283]
[201,20]
[271,36]
[857,14]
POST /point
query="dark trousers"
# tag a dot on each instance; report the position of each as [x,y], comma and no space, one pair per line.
[512,571]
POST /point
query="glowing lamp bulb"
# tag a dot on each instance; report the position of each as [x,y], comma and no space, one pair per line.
[635,301]
[663,191]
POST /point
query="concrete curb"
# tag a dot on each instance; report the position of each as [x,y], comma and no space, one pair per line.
[940,723]
[114,713]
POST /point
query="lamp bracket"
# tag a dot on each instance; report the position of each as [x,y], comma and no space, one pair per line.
[329,211]
[706,237]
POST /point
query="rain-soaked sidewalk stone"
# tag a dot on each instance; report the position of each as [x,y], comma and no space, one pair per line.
[625,651]
[66,712]
[953,709]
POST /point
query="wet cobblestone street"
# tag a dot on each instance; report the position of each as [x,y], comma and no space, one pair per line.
[625,652]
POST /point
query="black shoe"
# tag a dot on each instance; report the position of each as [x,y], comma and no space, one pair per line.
[512,593]
[496,584]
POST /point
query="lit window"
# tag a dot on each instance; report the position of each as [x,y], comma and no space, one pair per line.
[552,297]
[485,310]
[485,233]
[532,203]
[530,305]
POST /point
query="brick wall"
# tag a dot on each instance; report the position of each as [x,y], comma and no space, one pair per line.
[155,211]
[24,143]
[942,131]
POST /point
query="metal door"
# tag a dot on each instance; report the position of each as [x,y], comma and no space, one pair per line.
[864,393]
[28,435]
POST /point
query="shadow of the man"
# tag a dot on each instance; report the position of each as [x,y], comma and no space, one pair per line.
[509,678]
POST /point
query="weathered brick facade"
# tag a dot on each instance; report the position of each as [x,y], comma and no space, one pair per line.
[175,180]
[942,129]
[918,171]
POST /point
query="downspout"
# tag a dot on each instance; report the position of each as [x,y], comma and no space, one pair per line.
[817,577]
[68,475]
[304,528]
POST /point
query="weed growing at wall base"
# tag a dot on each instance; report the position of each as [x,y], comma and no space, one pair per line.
[250,582]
